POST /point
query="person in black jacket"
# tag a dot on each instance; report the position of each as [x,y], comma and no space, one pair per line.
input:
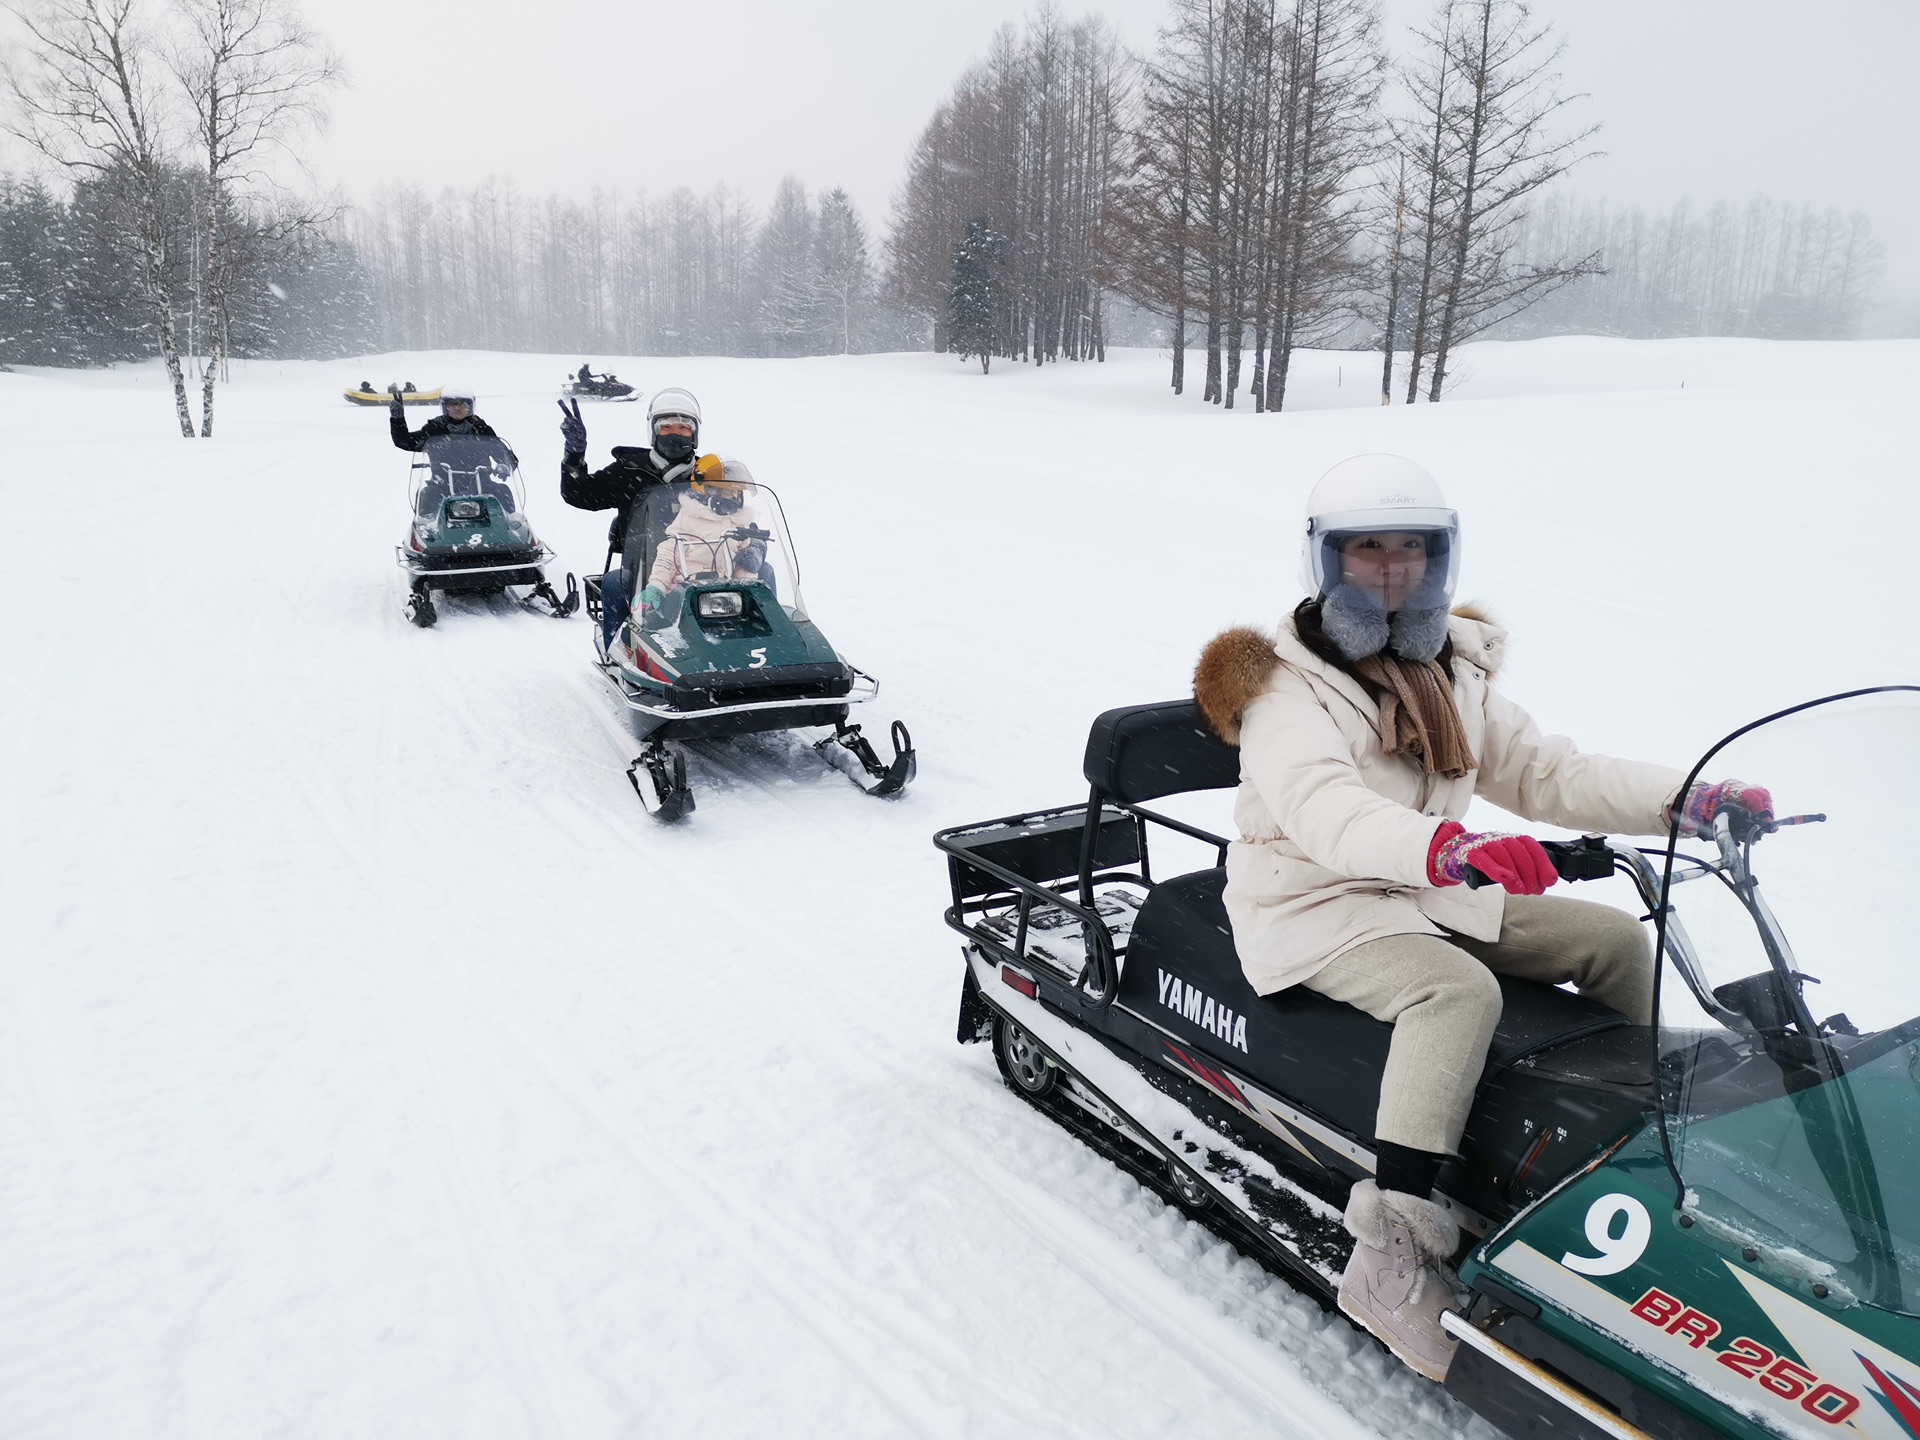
[673,421]
[456,417]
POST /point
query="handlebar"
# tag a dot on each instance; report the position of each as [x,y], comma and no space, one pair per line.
[1588,858]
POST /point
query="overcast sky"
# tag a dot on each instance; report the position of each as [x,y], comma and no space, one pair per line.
[1713,99]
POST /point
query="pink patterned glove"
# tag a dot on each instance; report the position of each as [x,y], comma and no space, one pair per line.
[1516,863]
[1703,803]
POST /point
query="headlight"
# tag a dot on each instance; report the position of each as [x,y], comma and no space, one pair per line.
[720,605]
[468,510]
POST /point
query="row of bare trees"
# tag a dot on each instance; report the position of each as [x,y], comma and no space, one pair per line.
[677,274]
[1269,179]
[1780,272]
[129,96]
[1239,214]
[1027,150]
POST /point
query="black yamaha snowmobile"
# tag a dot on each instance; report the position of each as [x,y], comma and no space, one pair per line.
[470,532]
[1669,1232]
[598,387]
[714,641]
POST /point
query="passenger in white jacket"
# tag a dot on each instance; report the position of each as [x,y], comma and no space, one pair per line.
[1366,723]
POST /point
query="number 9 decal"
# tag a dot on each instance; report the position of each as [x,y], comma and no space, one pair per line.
[1617,1252]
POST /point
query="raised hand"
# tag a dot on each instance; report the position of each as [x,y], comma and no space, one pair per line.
[573,430]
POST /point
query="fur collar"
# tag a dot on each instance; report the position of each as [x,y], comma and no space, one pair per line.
[1238,664]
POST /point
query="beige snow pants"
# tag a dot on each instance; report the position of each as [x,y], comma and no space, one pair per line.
[1444,1002]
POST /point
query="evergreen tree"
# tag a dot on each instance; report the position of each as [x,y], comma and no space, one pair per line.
[973,297]
[789,302]
[842,277]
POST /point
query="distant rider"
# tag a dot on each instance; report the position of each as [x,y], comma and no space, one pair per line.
[586,375]
[673,420]
[456,417]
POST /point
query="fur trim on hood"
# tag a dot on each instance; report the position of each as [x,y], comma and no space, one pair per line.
[1237,665]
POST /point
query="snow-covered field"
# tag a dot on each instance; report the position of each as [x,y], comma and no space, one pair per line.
[371,1065]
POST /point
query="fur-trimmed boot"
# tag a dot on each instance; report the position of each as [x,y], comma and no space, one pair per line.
[1396,1283]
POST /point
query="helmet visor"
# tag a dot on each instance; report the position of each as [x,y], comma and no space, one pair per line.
[1389,568]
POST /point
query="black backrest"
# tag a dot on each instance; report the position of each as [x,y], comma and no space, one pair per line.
[1142,752]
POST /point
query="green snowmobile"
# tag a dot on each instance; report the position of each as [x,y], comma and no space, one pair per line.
[702,635]
[470,533]
[1706,1228]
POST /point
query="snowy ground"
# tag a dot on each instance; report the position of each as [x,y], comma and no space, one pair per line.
[370,1065]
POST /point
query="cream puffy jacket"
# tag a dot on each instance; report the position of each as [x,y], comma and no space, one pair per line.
[696,543]
[1335,833]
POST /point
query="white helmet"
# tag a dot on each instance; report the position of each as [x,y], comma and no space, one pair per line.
[1374,493]
[450,393]
[674,401]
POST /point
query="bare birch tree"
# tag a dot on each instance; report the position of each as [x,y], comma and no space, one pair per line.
[84,96]
[254,76]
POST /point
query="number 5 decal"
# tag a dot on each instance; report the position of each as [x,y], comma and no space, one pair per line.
[759,654]
[1617,1252]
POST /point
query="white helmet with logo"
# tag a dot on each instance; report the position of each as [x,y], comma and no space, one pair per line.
[674,401]
[1371,494]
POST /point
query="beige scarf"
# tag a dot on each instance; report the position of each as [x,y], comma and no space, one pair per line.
[1418,718]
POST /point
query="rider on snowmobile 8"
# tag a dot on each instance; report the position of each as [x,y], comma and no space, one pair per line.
[456,417]
[1366,723]
[673,420]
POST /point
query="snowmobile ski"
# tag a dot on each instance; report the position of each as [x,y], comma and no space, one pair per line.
[887,780]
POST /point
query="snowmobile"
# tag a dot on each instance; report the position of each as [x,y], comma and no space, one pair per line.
[1707,1227]
[716,641]
[470,531]
[597,387]
[367,395]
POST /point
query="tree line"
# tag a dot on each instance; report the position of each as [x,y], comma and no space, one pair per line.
[677,274]
[67,297]
[1003,197]
[1268,178]
[1271,176]
[162,115]
[1774,271]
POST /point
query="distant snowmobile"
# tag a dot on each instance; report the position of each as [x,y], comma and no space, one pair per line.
[1667,1232]
[718,643]
[470,532]
[597,387]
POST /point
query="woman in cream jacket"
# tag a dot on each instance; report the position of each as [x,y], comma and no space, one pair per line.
[1366,723]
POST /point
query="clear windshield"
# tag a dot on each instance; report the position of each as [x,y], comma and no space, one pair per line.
[690,534]
[465,465]
[1796,1128]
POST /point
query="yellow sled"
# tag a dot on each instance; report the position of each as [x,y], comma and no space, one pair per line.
[407,397]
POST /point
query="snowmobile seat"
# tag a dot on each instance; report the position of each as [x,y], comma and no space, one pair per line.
[1180,967]
[1143,752]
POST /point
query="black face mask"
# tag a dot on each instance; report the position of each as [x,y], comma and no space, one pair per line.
[673,448]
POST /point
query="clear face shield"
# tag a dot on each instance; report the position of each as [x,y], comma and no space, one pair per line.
[1407,562]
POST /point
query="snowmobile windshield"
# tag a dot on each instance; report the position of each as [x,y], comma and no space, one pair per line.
[1793,1120]
[696,536]
[465,466]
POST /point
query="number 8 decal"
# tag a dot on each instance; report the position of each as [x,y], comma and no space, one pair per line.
[1617,1252]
